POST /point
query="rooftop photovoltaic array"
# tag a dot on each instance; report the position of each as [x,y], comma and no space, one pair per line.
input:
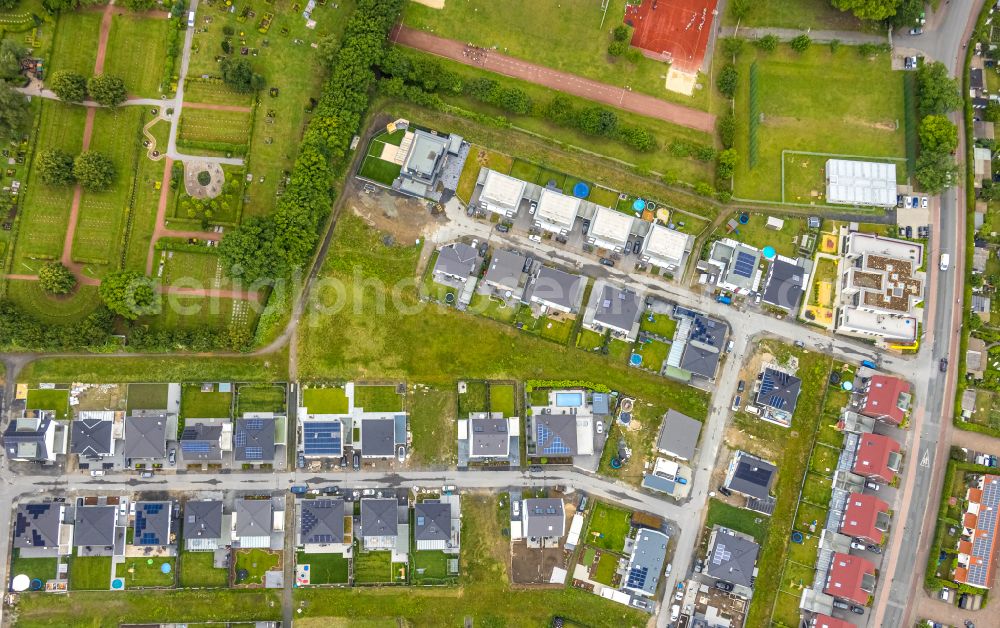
[254,453]
[555,442]
[982,547]
[721,554]
[771,381]
[322,438]
[195,447]
[637,577]
[744,264]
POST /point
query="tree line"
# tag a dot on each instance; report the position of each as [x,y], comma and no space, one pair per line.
[937,96]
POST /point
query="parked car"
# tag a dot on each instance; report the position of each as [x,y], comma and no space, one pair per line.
[503,228]
[857,610]
[96,473]
[945,594]
[981,460]
[146,475]
[606,262]
[643,604]
[675,612]
[841,605]
[637,247]
[969,624]
[300,461]
[600,427]
[368,492]
[679,595]
[741,386]
[532,207]
[561,239]
[299,489]
[357,460]
[923,202]
[799,344]
[722,585]
[858,545]
[172,456]
[872,485]
[535,468]
[869,364]
[909,231]
[331,490]
[943,365]
[730,346]
[699,565]
[725,491]
[914,201]
[517,508]
[874,548]
[343,461]
[736,403]
[756,299]
[916,31]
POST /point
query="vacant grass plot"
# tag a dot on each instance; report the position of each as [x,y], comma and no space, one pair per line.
[205,125]
[325,568]
[205,405]
[378,398]
[480,157]
[190,269]
[432,421]
[332,400]
[75,46]
[474,399]
[90,573]
[71,308]
[800,15]
[49,399]
[372,567]
[146,397]
[46,208]
[609,527]
[739,519]
[137,47]
[799,112]
[565,34]
[103,214]
[502,399]
[261,399]
[197,570]
[214,92]
[267,368]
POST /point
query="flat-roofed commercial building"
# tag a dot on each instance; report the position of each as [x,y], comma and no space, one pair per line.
[867,183]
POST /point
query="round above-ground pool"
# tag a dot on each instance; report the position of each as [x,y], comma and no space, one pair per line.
[848,386]
[117,584]
[638,204]
[36,584]
[581,190]
[165,568]
[636,359]
[744,218]
[616,463]
[769,252]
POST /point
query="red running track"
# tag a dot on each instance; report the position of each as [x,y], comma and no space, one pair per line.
[554,79]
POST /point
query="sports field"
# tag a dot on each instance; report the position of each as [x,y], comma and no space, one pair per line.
[677,29]
[566,35]
[137,47]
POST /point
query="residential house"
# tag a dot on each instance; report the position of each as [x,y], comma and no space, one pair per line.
[322,436]
[379,524]
[488,437]
[146,437]
[457,262]
[205,440]
[733,266]
[252,523]
[981,307]
[39,529]
[980,257]
[614,309]
[151,527]
[254,440]
[381,435]
[94,528]
[786,283]
[505,273]
[778,395]
[732,557]
[878,458]
[555,289]
[610,229]
[645,565]
[697,346]
[866,517]
[557,435]
[666,248]
[819,620]
[426,155]
[556,211]
[886,398]
[678,435]
[500,194]
[92,437]
[977,546]
[851,578]
[323,527]
[544,521]
[204,525]
[432,527]
[751,476]
[35,437]
[982,165]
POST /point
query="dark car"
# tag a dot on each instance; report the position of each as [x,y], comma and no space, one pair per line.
[331,490]
[562,239]
[725,491]
[909,231]
[299,489]
[535,468]
[343,461]
[503,228]
[637,247]
[606,262]
[300,461]
[722,585]
[357,460]
[873,548]
[741,386]
[857,610]
[943,365]
[841,605]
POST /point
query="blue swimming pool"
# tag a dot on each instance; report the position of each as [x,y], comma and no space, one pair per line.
[569,400]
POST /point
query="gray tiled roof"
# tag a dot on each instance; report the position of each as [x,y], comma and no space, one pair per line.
[253,517]
[488,437]
[646,562]
[752,476]
[544,517]
[25,438]
[679,435]
[785,285]
[322,521]
[146,436]
[432,521]
[617,308]
[505,269]
[94,525]
[732,558]
[378,437]
[458,259]
[91,437]
[203,520]
[557,287]
[36,525]
[200,441]
[152,524]
[552,426]
[247,434]
[378,517]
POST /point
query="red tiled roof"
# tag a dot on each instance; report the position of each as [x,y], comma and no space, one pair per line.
[825,621]
[873,457]
[860,516]
[985,527]
[846,575]
[882,399]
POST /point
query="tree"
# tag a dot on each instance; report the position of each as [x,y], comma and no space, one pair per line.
[834,45]
[11,53]
[141,5]
[621,33]
[732,46]
[937,135]
[800,43]
[68,86]
[728,80]
[55,167]
[935,171]
[8,4]
[767,43]
[248,250]
[94,171]
[726,163]
[129,294]
[227,48]
[107,90]
[992,113]
[874,10]
[617,48]
[739,9]
[239,74]
[597,121]
[328,47]
[55,278]
[13,110]
[937,92]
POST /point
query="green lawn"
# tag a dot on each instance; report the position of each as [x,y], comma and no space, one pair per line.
[589,340]
[332,400]
[70,309]
[221,127]
[379,170]
[609,527]
[137,572]
[799,15]
[474,399]
[817,488]
[432,422]
[90,573]
[41,568]
[261,399]
[196,570]
[568,35]
[502,399]
[147,396]
[824,460]
[325,568]
[661,325]
[137,47]
[195,312]
[653,353]
[606,567]
[378,398]
[434,565]
[205,405]
[49,399]
[480,157]
[802,113]
[268,368]
[755,233]
[490,307]
[256,562]
[372,567]
[739,519]
[75,47]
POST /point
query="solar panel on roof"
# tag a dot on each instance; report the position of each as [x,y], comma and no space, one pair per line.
[555,446]
[744,264]
[254,424]
[195,447]
[254,453]
[241,438]
[322,438]
[637,577]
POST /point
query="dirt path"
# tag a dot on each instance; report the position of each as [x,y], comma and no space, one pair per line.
[570,83]
[213,107]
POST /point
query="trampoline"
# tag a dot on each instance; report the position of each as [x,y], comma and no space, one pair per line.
[797,537]
[36,584]
[636,359]
[769,252]
[616,463]
[638,204]
[449,297]
[744,218]
[581,190]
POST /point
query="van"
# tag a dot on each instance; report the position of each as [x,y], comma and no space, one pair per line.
[675,612]
[730,346]
[945,261]
[191,19]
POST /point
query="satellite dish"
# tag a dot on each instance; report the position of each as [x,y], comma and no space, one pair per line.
[21,582]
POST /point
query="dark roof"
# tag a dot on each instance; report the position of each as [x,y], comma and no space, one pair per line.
[203,520]
[36,525]
[322,437]
[506,269]
[544,517]
[705,342]
[679,435]
[785,285]
[458,259]
[94,525]
[555,434]
[378,517]
[253,517]
[27,435]
[146,436]
[557,287]
[152,523]
[732,558]
[976,78]
[599,403]
[488,437]
[752,476]
[433,521]
[779,390]
[617,308]
[253,440]
[200,441]
[322,521]
[378,437]
[91,437]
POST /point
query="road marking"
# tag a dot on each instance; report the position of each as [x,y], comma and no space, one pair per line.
[925,461]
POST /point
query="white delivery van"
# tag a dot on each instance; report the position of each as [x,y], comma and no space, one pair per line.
[945,261]
[191,19]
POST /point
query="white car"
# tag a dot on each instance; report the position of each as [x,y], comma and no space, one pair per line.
[600,427]
[96,473]
[923,202]
[517,508]
[368,492]
[675,612]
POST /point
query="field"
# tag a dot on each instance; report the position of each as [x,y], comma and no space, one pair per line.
[49,399]
[432,421]
[377,398]
[331,400]
[136,49]
[256,562]
[261,399]
[609,527]
[800,112]
[800,15]
[76,41]
[196,570]
[739,519]
[269,368]
[325,568]
[147,396]
[568,35]
[205,405]
[90,573]
[218,127]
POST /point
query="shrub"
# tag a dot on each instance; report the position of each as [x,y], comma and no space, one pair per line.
[55,167]
[728,81]
[767,43]
[68,86]
[621,33]
[726,126]
[617,48]
[55,278]
[800,43]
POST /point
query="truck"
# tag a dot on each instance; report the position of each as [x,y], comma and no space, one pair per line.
[945,262]
[725,299]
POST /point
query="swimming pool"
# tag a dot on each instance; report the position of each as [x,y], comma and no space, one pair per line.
[569,399]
